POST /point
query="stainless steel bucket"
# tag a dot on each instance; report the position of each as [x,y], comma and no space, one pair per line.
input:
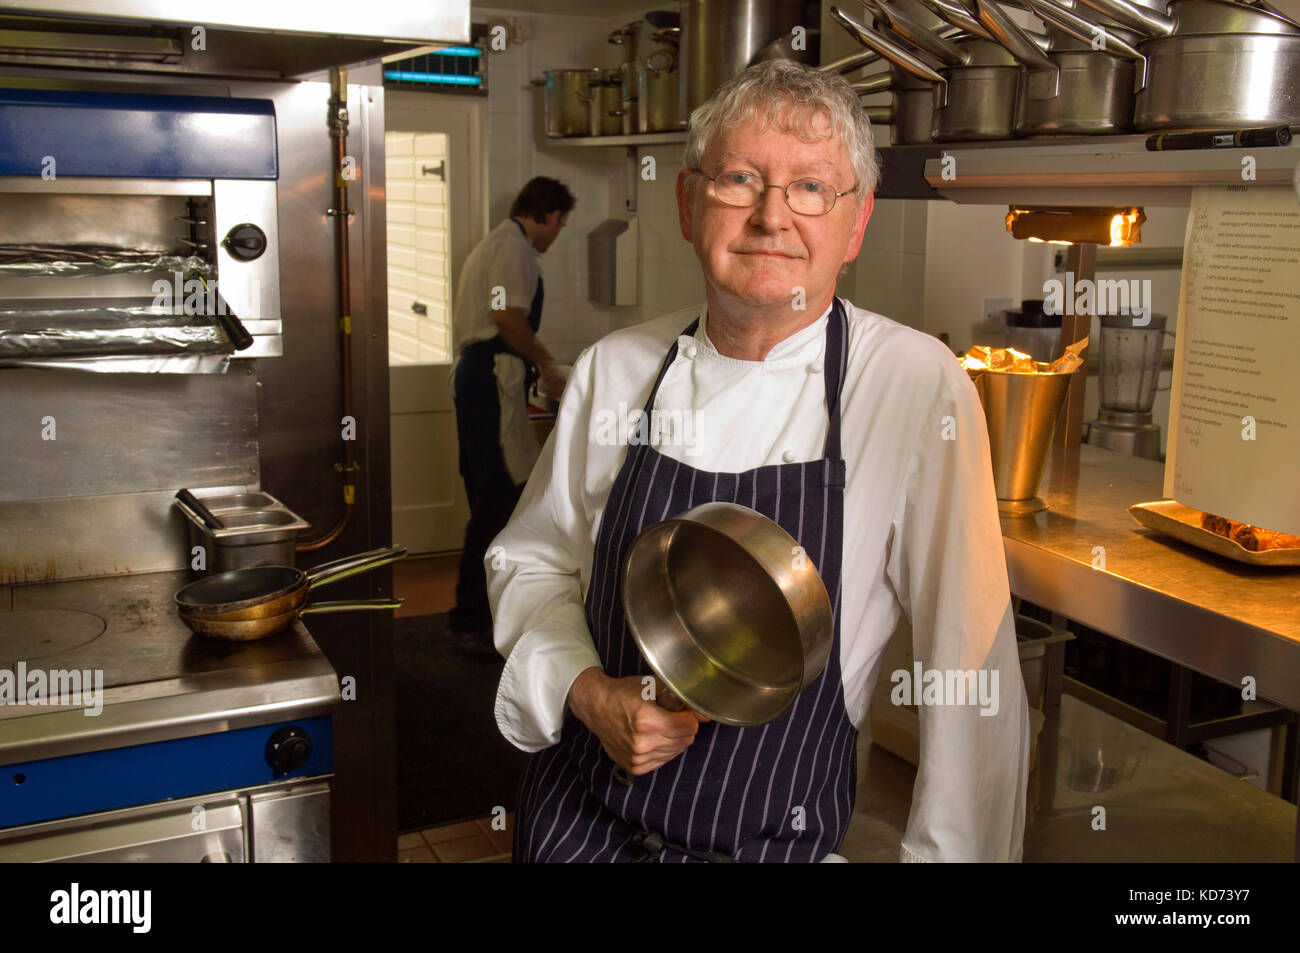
[567,102]
[721,37]
[1021,412]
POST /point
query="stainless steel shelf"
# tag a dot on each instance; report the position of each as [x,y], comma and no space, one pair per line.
[1087,170]
[641,139]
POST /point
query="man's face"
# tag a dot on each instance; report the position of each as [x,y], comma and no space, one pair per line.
[760,256]
[550,230]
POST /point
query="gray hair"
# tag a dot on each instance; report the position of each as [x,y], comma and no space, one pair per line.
[765,89]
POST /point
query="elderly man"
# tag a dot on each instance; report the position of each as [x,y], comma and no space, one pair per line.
[861,437]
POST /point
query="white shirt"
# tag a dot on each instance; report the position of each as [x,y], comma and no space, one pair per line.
[921,538]
[504,260]
[501,272]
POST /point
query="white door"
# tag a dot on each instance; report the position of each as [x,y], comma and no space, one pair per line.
[434,216]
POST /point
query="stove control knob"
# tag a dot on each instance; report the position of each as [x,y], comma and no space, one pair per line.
[245,242]
[288,749]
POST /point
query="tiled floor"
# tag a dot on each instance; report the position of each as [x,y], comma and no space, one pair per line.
[428,584]
[474,841]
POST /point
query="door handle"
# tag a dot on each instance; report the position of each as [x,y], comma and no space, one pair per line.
[440,170]
[420,308]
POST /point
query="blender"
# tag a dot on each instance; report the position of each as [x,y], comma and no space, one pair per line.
[1128,374]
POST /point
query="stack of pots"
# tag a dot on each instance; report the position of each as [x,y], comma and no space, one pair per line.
[583,102]
[1190,64]
[649,73]
[1211,64]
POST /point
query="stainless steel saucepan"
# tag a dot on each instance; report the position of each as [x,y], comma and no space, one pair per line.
[1227,80]
[1195,17]
[729,612]
[1096,75]
[974,89]
[911,112]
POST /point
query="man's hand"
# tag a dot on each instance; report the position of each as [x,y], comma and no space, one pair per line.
[554,380]
[637,734]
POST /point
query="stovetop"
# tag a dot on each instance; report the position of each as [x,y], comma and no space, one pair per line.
[160,681]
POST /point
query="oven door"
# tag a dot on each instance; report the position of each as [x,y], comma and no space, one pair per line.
[272,823]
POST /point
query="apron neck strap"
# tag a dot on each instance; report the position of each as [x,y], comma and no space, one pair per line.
[834,370]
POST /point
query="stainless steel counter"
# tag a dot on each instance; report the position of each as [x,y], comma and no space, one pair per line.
[1161,804]
[159,680]
[1225,619]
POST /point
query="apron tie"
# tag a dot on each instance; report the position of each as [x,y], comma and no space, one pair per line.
[652,844]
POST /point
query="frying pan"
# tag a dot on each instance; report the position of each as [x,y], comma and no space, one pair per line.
[261,627]
[266,591]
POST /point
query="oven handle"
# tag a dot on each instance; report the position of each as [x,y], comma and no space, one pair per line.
[233,327]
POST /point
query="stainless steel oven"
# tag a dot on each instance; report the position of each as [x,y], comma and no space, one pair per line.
[160,242]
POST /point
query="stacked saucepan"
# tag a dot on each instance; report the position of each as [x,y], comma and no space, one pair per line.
[1113,68]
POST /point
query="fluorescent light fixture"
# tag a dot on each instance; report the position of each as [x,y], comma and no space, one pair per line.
[449,79]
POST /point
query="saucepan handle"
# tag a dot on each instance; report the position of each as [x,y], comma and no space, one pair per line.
[348,605]
[326,573]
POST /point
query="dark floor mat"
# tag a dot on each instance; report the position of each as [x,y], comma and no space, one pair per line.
[452,763]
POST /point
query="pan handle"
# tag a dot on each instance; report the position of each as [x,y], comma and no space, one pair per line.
[348,605]
[1087,31]
[917,34]
[888,49]
[326,573]
[193,503]
[958,16]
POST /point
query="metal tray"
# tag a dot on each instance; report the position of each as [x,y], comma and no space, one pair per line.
[1184,523]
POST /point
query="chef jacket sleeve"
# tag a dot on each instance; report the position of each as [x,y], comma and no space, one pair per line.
[534,583]
[948,570]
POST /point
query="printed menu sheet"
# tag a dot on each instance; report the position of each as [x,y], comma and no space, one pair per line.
[1234,419]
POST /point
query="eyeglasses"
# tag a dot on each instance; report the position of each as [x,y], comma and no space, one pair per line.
[745,190]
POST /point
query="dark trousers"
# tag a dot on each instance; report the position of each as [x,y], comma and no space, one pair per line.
[492,494]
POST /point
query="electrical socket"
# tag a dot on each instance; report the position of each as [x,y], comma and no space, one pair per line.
[993,308]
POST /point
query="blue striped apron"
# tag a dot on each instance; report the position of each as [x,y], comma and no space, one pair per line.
[782,791]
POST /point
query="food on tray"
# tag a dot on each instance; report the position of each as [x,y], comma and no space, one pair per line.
[1254,538]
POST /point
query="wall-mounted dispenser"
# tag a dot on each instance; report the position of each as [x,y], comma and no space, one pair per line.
[612,249]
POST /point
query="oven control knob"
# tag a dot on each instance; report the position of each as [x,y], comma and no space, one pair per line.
[245,242]
[288,749]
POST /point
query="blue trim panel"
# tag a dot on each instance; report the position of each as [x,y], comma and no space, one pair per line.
[120,135]
[141,774]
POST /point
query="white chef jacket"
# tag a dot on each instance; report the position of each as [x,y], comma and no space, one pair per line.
[504,260]
[921,538]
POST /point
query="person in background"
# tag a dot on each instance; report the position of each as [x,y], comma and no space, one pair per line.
[497,313]
[864,439]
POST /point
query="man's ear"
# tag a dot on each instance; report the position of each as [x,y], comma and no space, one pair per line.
[684,199]
[861,217]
